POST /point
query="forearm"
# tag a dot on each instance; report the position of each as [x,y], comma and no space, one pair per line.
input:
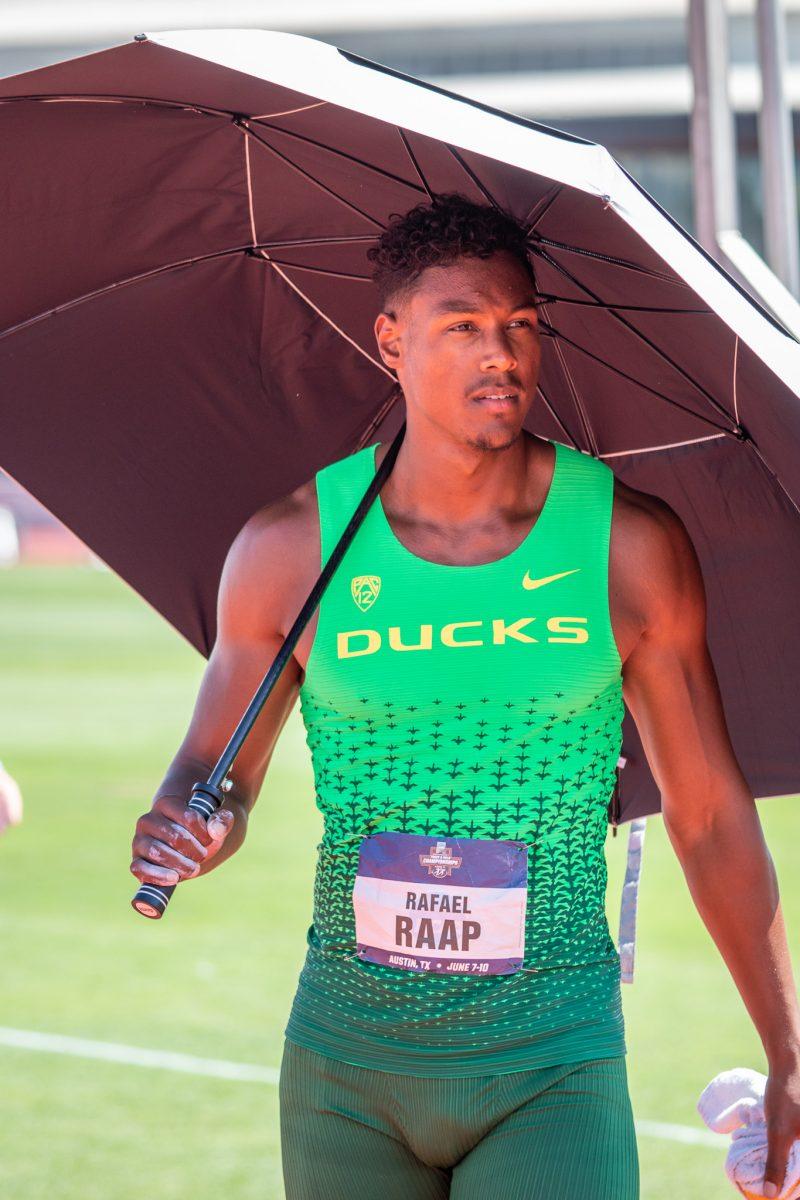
[732,880]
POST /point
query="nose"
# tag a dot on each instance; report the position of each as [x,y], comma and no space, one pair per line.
[498,353]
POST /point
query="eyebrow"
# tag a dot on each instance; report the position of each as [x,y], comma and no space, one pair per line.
[471,304]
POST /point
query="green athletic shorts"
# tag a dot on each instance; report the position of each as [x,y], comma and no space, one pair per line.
[553,1133]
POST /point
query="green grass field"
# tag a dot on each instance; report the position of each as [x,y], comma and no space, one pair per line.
[95,695]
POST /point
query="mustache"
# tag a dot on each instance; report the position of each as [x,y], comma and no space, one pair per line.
[495,388]
[508,384]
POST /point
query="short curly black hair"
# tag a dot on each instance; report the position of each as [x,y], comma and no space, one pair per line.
[436,234]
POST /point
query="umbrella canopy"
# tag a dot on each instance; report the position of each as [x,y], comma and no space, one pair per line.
[186,328]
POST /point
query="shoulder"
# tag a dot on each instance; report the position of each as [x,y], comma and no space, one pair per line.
[272,563]
[286,533]
[287,524]
[653,559]
[648,535]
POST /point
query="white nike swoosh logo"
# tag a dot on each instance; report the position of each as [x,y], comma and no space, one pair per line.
[529,583]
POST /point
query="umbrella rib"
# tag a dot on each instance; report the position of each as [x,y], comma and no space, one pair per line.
[325,317]
[360,162]
[547,298]
[306,175]
[173,266]
[414,162]
[556,417]
[544,203]
[584,420]
[735,359]
[382,412]
[322,271]
[609,258]
[554,333]
[118,283]
[642,337]
[241,123]
[770,471]
[288,112]
[536,213]
[468,171]
[709,437]
[249,179]
[320,241]
[202,110]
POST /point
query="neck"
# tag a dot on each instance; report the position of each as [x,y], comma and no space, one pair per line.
[441,481]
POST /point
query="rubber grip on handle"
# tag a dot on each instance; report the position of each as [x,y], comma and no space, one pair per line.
[151,899]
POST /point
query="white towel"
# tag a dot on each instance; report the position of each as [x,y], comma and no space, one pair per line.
[626,942]
[733,1102]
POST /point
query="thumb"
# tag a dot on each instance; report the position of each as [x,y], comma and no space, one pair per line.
[220,824]
[774,1172]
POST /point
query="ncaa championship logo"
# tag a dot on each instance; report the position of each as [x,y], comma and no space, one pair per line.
[365,589]
[439,860]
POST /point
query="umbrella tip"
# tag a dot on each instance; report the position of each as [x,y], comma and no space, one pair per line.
[140,37]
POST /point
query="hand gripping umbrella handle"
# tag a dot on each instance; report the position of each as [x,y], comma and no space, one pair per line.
[152,899]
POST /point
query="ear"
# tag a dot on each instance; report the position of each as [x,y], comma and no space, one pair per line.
[387,335]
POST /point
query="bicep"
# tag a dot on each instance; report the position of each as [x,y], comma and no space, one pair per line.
[251,602]
[671,688]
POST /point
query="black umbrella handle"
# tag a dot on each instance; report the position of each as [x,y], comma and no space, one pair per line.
[152,899]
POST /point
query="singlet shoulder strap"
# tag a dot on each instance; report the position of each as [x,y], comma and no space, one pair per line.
[584,478]
[340,487]
[584,502]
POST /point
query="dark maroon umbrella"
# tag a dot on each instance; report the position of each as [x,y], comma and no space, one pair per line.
[186,328]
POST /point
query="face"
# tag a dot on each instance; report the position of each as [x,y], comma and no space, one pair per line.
[467,328]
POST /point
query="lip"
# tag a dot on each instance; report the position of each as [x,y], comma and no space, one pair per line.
[498,405]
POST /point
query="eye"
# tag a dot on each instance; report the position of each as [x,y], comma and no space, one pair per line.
[465,324]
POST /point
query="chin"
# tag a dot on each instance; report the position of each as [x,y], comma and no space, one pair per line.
[494,439]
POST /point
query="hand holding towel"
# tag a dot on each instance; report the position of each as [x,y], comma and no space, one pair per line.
[733,1102]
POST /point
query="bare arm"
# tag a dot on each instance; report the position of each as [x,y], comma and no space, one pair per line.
[671,689]
[256,593]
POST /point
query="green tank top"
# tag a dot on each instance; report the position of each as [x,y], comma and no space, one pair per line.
[475,702]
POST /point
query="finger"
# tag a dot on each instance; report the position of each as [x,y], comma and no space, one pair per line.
[219,825]
[173,834]
[158,848]
[180,822]
[177,811]
[162,855]
[146,872]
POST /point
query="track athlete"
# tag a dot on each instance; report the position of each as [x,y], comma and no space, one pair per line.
[457,1028]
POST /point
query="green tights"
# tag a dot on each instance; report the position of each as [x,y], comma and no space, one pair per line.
[553,1133]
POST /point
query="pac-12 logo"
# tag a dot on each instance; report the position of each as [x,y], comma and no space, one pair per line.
[365,589]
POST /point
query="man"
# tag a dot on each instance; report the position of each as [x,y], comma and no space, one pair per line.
[457,1029]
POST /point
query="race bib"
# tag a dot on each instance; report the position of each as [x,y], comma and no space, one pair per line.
[449,905]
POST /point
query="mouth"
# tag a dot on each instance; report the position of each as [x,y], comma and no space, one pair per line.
[497,400]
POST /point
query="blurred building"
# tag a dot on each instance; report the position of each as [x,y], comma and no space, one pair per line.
[615,72]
